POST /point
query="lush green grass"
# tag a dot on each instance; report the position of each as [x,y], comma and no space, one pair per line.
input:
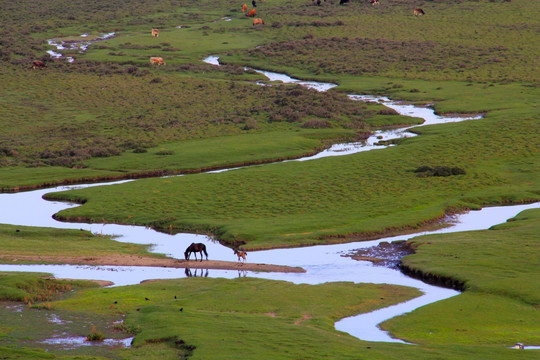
[19,178]
[292,319]
[477,41]
[66,127]
[32,241]
[318,201]
[500,269]
[219,152]
[254,319]
[96,117]
[30,288]
[248,317]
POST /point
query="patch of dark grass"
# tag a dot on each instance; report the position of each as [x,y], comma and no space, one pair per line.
[427,171]
[165,152]
[119,115]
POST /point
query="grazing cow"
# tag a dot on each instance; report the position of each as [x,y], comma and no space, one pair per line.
[241,255]
[258,21]
[254,3]
[244,8]
[157,60]
[374,2]
[252,13]
[418,12]
[155,32]
[341,2]
[38,64]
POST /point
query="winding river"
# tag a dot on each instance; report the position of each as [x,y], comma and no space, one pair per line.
[324,263]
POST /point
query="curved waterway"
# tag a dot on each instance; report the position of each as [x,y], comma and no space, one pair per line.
[324,263]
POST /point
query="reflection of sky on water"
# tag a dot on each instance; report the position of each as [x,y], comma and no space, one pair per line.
[323,263]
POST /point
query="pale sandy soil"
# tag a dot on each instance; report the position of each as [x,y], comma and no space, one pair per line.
[133,260]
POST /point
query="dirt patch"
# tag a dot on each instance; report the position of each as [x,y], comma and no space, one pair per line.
[385,254]
[133,260]
[304,318]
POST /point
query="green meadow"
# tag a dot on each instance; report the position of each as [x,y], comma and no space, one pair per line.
[111,115]
[26,241]
[203,318]
[499,269]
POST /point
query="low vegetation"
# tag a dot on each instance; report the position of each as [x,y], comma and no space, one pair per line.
[498,268]
[109,114]
[333,199]
[33,244]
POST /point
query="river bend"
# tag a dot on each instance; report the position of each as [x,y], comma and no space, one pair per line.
[324,263]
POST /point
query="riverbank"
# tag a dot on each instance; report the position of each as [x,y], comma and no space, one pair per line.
[133,260]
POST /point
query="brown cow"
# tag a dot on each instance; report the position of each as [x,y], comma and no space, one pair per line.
[374,2]
[258,21]
[157,60]
[244,8]
[418,12]
[38,64]
[252,13]
[155,32]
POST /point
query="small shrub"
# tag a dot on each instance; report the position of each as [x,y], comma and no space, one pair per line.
[95,335]
[316,124]
[426,171]
[387,111]
[250,124]
[165,152]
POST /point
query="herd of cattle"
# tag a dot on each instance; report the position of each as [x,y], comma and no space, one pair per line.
[38,64]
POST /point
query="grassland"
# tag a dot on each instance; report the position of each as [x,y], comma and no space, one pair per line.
[333,199]
[19,242]
[152,312]
[499,268]
[109,114]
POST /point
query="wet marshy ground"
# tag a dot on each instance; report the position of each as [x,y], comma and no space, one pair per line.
[55,330]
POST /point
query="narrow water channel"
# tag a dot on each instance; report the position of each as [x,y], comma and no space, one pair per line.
[322,263]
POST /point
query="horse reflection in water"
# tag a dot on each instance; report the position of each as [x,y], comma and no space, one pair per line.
[196,248]
[195,273]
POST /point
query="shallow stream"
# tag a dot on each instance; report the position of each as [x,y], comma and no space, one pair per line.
[324,263]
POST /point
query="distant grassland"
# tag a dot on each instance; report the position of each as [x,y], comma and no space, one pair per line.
[63,119]
[466,40]
[111,102]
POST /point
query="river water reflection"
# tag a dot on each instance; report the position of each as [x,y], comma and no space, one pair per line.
[322,263]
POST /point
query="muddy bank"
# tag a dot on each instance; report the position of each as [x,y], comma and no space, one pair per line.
[389,254]
[132,260]
[433,279]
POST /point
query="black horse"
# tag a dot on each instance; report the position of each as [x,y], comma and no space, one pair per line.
[196,248]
